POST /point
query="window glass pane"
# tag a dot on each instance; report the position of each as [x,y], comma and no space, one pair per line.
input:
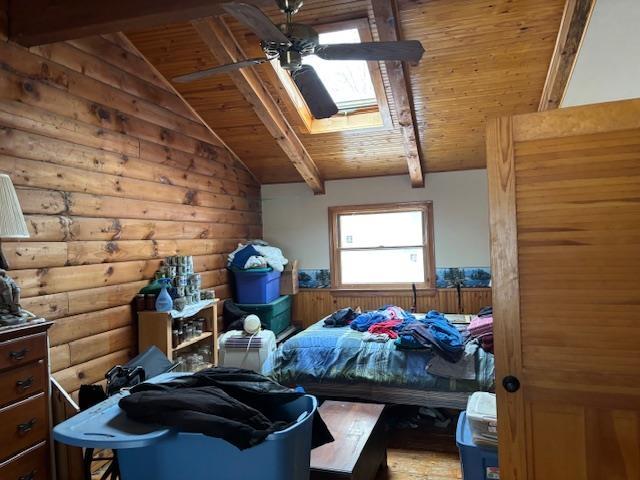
[348,81]
[394,229]
[401,265]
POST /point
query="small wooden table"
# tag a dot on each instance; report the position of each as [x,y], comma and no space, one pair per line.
[359,449]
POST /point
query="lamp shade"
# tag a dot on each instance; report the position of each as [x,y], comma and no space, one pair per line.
[12,224]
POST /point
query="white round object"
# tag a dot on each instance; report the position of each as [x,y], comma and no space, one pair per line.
[252,324]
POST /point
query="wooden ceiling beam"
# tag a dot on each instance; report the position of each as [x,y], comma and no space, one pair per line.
[224,47]
[386,17]
[37,22]
[572,29]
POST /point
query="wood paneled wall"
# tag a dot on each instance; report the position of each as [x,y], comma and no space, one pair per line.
[113,172]
[311,305]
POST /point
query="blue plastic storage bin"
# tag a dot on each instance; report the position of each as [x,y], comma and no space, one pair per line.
[151,453]
[478,463]
[257,287]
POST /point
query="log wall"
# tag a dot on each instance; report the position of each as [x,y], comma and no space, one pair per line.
[113,172]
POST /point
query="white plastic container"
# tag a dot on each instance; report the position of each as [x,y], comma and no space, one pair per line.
[483,419]
[250,356]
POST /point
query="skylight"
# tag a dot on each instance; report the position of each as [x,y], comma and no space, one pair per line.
[348,81]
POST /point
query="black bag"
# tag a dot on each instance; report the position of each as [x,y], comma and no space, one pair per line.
[148,364]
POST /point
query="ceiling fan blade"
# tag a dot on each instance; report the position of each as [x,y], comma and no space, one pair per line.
[229,67]
[409,51]
[252,17]
[314,92]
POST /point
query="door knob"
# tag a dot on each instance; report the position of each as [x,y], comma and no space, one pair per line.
[511,384]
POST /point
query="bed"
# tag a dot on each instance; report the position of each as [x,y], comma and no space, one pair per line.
[336,362]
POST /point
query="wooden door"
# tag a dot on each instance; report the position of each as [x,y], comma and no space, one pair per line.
[564,190]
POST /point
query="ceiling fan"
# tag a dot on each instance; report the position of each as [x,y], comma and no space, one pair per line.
[290,41]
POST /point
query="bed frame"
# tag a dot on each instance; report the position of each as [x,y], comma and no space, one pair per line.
[391,395]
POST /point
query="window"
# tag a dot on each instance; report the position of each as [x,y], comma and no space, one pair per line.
[357,87]
[348,82]
[382,246]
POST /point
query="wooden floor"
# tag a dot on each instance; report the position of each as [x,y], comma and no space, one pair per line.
[422,454]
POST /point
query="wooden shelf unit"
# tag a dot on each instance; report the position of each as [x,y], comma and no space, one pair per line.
[154,328]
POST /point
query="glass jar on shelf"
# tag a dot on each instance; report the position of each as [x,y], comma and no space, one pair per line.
[199,325]
[205,351]
[191,330]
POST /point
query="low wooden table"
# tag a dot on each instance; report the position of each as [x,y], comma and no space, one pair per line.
[359,449]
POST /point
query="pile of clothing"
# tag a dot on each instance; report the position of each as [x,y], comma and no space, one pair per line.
[236,405]
[381,325]
[341,318]
[434,332]
[257,254]
[390,322]
[481,328]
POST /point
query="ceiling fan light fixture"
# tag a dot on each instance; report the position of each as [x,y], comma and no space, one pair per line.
[291,60]
[290,6]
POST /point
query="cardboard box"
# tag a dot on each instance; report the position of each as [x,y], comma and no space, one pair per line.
[289,279]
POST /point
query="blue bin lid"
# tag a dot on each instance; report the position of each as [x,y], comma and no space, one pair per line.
[105,425]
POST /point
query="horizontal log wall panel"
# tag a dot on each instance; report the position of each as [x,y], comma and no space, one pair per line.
[117,55]
[38,67]
[23,255]
[93,67]
[61,202]
[19,143]
[32,119]
[192,162]
[312,305]
[59,228]
[37,120]
[75,327]
[39,94]
[31,173]
[113,172]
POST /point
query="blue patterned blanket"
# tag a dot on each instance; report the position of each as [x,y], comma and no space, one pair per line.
[339,355]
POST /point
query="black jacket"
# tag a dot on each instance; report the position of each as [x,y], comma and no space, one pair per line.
[236,405]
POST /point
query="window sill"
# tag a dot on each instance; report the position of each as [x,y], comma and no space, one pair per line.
[367,292]
[370,292]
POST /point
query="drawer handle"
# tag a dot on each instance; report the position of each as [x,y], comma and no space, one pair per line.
[19,355]
[26,427]
[29,476]
[25,384]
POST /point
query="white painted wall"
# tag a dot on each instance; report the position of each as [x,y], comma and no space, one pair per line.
[297,221]
[608,63]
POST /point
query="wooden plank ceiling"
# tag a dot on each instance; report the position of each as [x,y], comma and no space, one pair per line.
[484,59]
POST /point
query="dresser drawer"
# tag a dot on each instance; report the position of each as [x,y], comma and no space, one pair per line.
[22,382]
[32,464]
[22,425]
[23,350]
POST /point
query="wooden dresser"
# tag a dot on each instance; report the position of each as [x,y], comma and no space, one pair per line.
[24,403]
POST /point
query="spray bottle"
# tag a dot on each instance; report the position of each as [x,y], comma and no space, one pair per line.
[164,303]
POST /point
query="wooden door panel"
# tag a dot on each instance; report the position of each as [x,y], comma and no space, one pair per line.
[556,439]
[570,441]
[565,224]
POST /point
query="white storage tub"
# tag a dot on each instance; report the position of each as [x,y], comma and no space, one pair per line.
[483,419]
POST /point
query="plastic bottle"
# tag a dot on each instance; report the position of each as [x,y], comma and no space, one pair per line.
[164,303]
